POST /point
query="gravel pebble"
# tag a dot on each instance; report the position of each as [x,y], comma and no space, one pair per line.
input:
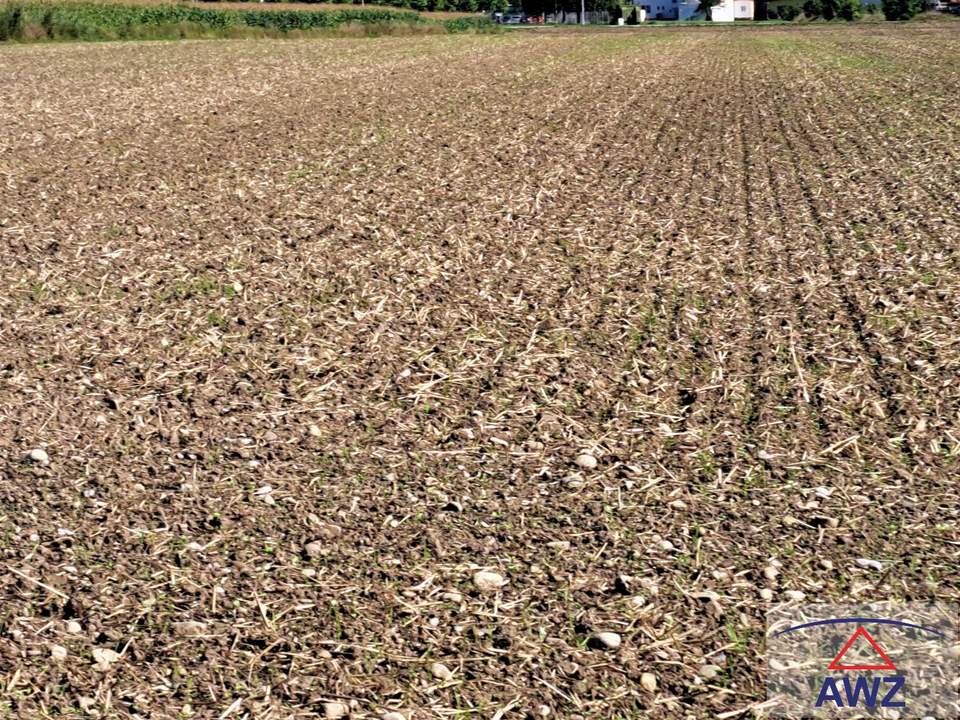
[488,581]
[104,658]
[189,628]
[441,671]
[586,461]
[608,640]
[710,671]
[335,710]
[39,455]
[58,652]
[870,564]
[648,681]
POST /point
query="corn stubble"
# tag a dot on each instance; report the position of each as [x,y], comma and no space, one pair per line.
[500,376]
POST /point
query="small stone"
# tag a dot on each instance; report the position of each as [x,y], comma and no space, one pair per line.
[823,492]
[394,716]
[335,710]
[452,596]
[795,595]
[667,546]
[58,652]
[607,640]
[826,564]
[648,681]
[441,671]
[638,601]
[104,658]
[488,581]
[39,456]
[770,572]
[710,671]
[74,628]
[189,628]
[314,549]
[315,431]
[869,564]
[766,594]
[559,545]
[328,531]
[586,461]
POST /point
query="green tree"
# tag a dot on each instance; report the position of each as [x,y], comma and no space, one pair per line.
[833,9]
[901,9]
[849,9]
[705,7]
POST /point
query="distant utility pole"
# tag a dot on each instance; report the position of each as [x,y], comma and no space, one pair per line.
[583,12]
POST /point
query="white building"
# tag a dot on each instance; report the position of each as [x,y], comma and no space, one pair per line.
[668,9]
[730,10]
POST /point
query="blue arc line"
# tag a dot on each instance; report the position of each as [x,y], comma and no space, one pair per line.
[861,621]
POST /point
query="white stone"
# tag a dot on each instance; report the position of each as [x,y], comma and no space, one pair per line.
[488,581]
[441,671]
[609,640]
[58,652]
[870,564]
[586,461]
[39,455]
[648,681]
[710,671]
[335,710]
[104,658]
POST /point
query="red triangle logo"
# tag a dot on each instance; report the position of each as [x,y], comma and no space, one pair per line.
[838,665]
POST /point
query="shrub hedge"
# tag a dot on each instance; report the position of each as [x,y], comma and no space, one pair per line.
[106,21]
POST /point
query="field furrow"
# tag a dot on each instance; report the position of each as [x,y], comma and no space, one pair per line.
[658,325]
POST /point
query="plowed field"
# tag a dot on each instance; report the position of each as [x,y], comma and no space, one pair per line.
[650,328]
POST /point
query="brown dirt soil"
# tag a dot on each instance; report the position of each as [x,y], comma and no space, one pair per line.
[302,335]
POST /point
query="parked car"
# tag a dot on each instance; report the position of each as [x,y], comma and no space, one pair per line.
[513,18]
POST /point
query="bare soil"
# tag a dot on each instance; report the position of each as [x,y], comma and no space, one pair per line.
[302,335]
